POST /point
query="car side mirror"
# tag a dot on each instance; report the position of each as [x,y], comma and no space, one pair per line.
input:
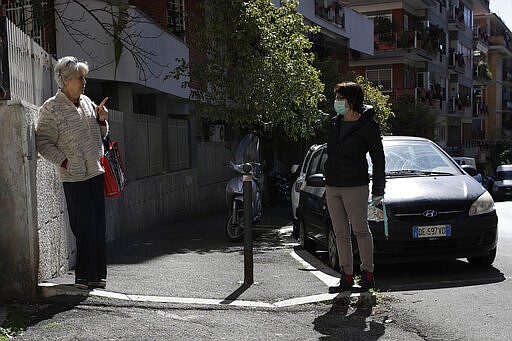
[469,169]
[315,180]
[294,169]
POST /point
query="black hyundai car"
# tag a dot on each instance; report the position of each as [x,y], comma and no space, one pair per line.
[435,210]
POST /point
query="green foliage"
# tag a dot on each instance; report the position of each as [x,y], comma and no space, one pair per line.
[413,119]
[382,25]
[17,322]
[372,94]
[374,97]
[254,70]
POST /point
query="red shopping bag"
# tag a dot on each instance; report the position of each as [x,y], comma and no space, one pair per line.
[115,176]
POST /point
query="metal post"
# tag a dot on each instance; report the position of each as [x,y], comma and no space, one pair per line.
[248,252]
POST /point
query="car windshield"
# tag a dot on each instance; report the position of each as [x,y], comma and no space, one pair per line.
[504,175]
[415,158]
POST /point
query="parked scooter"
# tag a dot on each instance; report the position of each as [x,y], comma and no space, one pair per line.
[279,186]
[246,161]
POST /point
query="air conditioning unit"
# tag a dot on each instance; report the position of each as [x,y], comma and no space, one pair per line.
[216,132]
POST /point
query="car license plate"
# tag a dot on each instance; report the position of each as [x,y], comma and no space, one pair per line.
[431,231]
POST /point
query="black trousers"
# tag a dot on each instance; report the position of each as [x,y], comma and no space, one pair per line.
[86,208]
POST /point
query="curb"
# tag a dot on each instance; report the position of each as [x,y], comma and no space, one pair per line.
[47,290]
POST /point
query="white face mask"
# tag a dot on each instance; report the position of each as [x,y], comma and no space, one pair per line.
[340,107]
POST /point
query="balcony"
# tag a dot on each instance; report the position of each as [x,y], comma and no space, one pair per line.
[480,110]
[456,18]
[507,75]
[413,4]
[506,105]
[501,42]
[393,41]
[480,39]
[339,21]
[482,75]
[456,62]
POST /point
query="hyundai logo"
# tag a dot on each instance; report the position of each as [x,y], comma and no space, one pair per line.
[429,213]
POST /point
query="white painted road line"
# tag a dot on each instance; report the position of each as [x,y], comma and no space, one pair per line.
[327,279]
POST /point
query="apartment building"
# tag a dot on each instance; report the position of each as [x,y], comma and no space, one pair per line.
[497,94]
[453,55]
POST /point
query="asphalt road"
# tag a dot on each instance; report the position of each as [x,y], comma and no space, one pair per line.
[427,301]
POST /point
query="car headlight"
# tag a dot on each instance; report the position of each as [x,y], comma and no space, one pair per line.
[484,204]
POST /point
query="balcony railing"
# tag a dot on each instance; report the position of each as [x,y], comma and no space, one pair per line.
[405,40]
[500,40]
[334,13]
[480,35]
[456,61]
[481,110]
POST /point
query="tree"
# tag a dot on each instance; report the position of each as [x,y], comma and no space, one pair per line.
[412,118]
[380,102]
[255,71]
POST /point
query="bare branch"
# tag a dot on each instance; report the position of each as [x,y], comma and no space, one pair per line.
[129,38]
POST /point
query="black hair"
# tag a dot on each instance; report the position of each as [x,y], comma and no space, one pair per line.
[353,93]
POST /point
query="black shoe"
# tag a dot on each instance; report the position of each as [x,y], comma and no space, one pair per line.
[101,284]
[346,283]
[81,283]
[367,281]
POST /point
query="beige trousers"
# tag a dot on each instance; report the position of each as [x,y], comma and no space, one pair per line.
[348,206]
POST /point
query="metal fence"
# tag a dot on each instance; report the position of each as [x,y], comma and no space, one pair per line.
[30,68]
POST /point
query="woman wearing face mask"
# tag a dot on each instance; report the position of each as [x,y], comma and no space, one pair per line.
[352,133]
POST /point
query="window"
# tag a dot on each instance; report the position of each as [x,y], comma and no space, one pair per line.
[176,17]
[380,77]
[179,144]
[315,163]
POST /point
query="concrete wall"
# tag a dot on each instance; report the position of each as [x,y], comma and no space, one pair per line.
[18,218]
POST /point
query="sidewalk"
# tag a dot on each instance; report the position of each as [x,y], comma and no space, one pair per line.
[191,261]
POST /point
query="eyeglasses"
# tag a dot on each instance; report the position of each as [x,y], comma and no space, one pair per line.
[73,61]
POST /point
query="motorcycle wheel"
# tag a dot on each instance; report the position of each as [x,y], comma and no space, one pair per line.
[235,231]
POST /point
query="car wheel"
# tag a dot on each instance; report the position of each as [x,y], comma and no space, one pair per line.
[332,250]
[484,260]
[305,242]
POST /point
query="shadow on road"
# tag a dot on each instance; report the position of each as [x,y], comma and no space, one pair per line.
[417,276]
[200,234]
[348,321]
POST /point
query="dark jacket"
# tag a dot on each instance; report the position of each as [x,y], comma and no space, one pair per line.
[346,164]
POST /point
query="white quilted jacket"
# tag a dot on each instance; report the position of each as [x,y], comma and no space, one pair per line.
[64,132]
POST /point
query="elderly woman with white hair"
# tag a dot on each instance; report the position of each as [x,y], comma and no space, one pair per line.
[69,134]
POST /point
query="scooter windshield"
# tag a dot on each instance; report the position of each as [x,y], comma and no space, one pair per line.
[248,150]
